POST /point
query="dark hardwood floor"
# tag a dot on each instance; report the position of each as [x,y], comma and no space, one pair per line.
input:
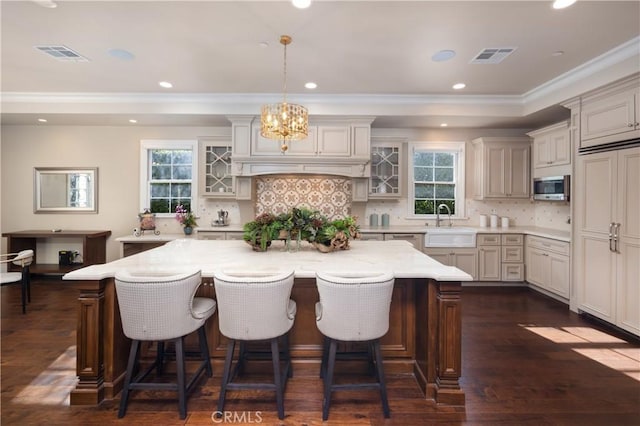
[527,360]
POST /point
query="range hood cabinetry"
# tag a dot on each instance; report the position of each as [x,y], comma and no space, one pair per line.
[339,146]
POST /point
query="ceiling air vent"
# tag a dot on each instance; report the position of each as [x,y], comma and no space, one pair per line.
[62,53]
[493,55]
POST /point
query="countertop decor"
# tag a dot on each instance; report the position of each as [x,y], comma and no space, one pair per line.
[301,224]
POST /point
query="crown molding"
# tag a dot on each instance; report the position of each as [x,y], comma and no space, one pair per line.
[611,66]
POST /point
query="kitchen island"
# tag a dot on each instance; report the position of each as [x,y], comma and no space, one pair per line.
[425,320]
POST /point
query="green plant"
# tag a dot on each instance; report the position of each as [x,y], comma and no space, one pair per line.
[262,230]
[339,230]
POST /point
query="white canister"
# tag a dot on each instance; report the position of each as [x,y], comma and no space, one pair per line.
[483,220]
[494,220]
[505,222]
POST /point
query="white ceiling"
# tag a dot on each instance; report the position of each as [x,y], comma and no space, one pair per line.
[367,57]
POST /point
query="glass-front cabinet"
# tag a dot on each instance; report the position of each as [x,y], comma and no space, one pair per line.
[216,179]
[386,158]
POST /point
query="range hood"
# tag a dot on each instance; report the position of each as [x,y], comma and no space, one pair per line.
[350,167]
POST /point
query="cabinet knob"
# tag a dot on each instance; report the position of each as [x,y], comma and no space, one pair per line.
[630,125]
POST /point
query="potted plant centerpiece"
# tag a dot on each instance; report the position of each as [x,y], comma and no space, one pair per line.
[335,235]
[260,232]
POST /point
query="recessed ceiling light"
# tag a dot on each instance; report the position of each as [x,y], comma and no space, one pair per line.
[310,85]
[557,53]
[443,55]
[165,84]
[133,121]
[42,120]
[561,4]
[301,4]
[459,86]
[125,55]
[443,124]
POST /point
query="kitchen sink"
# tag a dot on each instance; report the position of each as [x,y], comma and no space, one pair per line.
[450,237]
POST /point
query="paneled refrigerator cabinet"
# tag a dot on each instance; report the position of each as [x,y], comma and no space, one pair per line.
[607,236]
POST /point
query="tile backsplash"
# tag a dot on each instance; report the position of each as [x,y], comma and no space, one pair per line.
[331,195]
[520,212]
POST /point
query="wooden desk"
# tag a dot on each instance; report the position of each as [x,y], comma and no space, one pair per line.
[94,248]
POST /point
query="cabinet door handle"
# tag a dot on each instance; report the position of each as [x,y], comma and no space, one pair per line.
[616,230]
[611,236]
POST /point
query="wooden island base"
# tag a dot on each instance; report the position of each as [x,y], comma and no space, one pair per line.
[424,337]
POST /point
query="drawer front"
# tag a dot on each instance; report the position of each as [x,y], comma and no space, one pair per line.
[513,272]
[547,244]
[512,254]
[233,235]
[371,236]
[415,239]
[208,235]
[488,239]
[512,239]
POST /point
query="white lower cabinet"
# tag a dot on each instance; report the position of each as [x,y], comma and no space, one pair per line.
[548,264]
[220,235]
[489,257]
[465,259]
[416,239]
[372,236]
[512,257]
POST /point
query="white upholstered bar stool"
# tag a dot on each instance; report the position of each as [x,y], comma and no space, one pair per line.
[353,308]
[253,307]
[159,307]
[22,259]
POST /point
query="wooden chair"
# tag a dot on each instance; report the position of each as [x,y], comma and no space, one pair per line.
[22,259]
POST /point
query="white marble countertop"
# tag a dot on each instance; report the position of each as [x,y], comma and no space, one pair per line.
[421,229]
[210,256]
[554,234]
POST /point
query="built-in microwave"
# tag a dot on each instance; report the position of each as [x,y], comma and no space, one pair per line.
[554,188]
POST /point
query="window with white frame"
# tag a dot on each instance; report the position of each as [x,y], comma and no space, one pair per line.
[436,176]
[168,175]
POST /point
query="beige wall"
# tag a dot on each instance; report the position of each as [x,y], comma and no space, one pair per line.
[114,150]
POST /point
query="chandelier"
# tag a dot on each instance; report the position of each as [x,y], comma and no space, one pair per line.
[284,121]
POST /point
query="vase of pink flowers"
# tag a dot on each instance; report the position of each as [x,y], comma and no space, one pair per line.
[186,218]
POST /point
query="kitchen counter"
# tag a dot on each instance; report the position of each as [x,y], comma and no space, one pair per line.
[211,256]
[527,230]
[424,337]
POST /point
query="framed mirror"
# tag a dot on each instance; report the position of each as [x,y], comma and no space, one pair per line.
[65,190]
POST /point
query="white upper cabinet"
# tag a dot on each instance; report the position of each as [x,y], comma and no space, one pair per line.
[502,167]
[611,115]
[387,162]
[551,150]
[263,146]
[339,146]
[323,140]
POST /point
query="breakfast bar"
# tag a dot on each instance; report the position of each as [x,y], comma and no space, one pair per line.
[424,337]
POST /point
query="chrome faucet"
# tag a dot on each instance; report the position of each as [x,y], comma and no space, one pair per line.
[438,214]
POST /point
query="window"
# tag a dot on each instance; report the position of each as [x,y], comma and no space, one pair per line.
[168,175]
[79,190]
[436,176]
